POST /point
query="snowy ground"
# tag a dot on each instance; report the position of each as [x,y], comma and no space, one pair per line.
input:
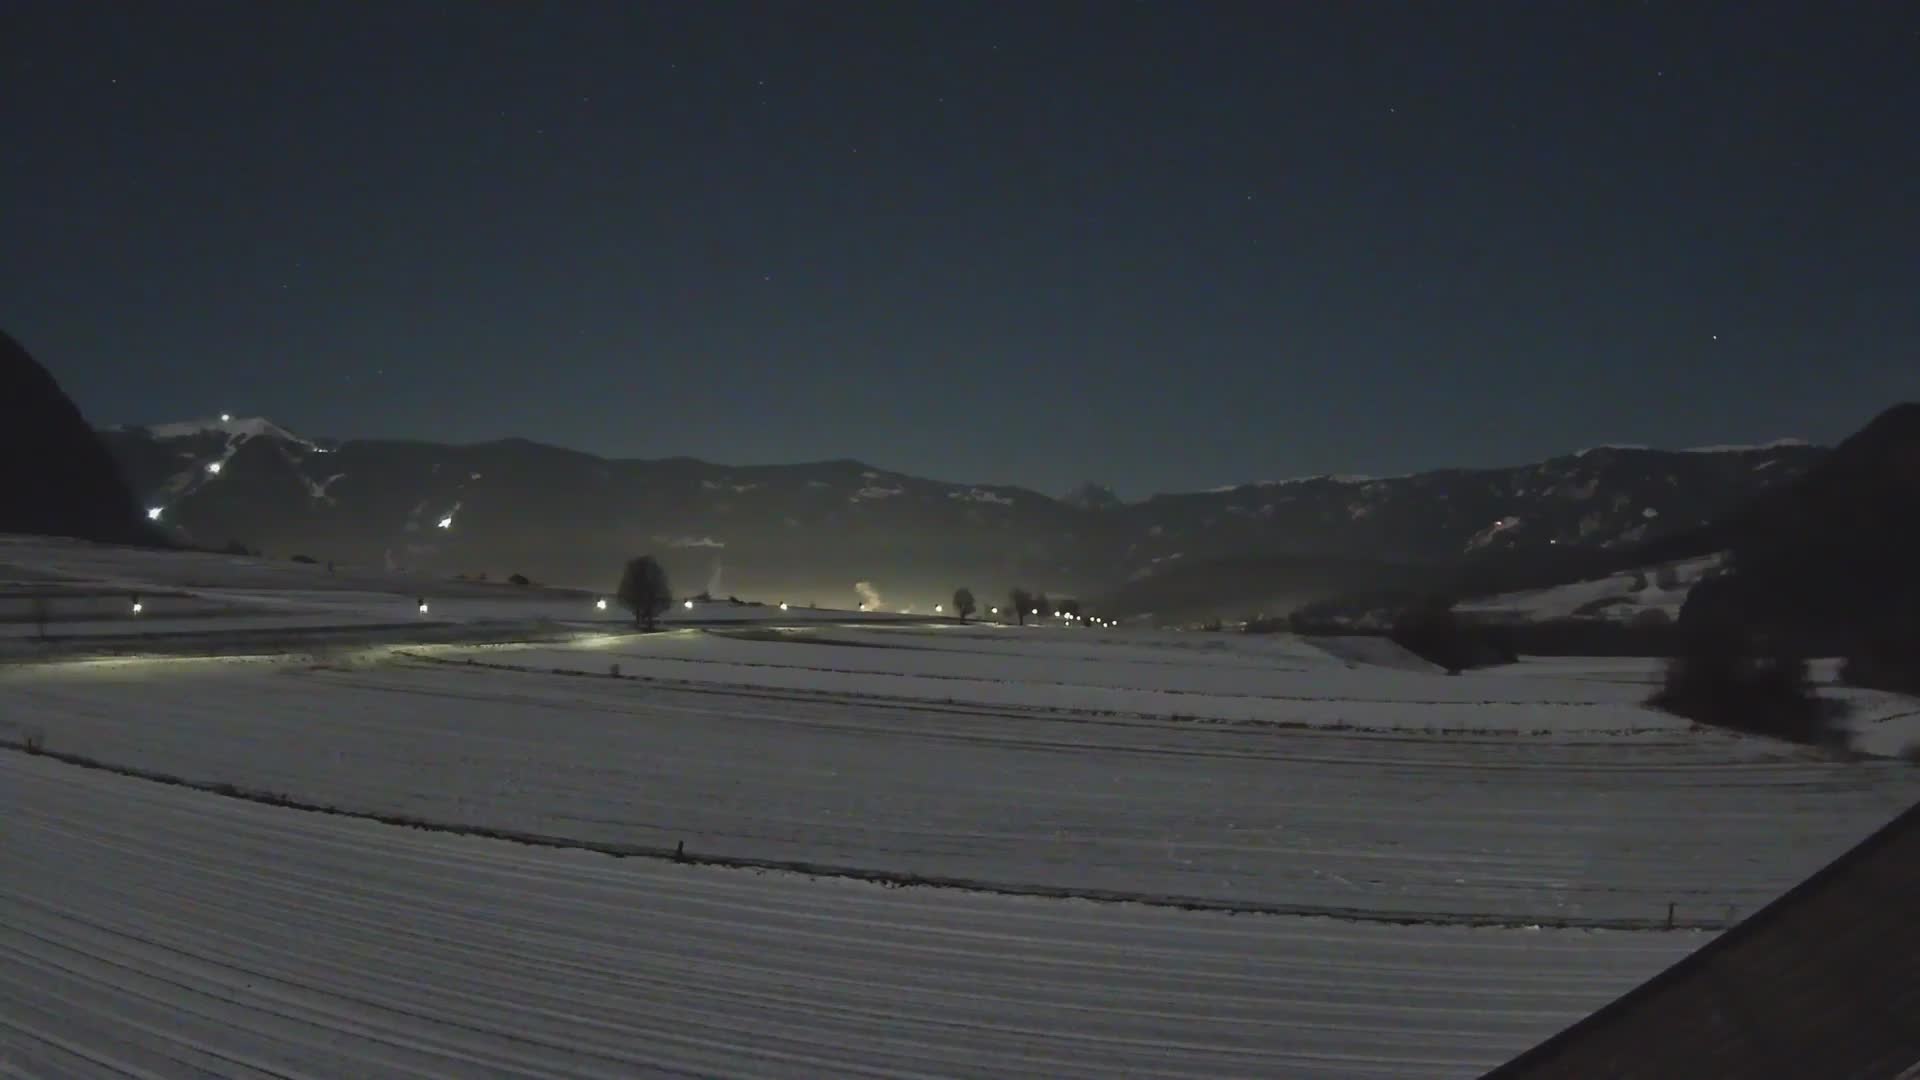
[1442,821]
[1277,680]
[1575,824]
[153,931]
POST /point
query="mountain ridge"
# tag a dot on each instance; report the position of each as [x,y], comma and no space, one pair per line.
[1095,491]
[808,531]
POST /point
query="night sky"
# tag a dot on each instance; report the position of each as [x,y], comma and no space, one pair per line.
[1164,245]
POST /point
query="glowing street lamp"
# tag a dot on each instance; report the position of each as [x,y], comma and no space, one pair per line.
[689,605]
[153,513]
[600,604]
[423,605]
[447,522]
[138,607]
[783,605]
[938,608]
[213,467]
[993,611]
[226,417]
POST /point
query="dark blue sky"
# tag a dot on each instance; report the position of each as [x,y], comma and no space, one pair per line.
[1165,245]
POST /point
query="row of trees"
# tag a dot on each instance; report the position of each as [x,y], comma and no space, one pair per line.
[1026,603]
[1737,670]
[645,592]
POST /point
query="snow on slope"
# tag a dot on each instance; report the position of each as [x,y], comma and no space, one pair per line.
[165,932]
[1619,597]
[1776,444]
[251,427]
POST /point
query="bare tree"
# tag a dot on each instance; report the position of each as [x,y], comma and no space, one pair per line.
[963,604]
[1022,602]
[644,591]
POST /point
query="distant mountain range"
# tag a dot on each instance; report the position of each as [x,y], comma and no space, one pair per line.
[809,532]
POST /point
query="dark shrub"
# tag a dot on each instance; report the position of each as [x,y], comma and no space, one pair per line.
[1431,631]
[1721,678]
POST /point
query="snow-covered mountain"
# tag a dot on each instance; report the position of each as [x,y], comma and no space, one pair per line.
[810,531]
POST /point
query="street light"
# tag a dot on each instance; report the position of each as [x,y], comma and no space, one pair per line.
[689,605]
[600,604]
[938,608]
[783,605]
[213,467]
[153,513]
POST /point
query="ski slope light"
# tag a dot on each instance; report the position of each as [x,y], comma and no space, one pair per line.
[213,467]
[153,513]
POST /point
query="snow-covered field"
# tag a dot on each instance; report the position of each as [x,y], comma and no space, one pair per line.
[153,931]
[88,594]
[1407,874]
[1277,680]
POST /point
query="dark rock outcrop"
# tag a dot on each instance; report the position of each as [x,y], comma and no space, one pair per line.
[1831,563]
[56,477]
